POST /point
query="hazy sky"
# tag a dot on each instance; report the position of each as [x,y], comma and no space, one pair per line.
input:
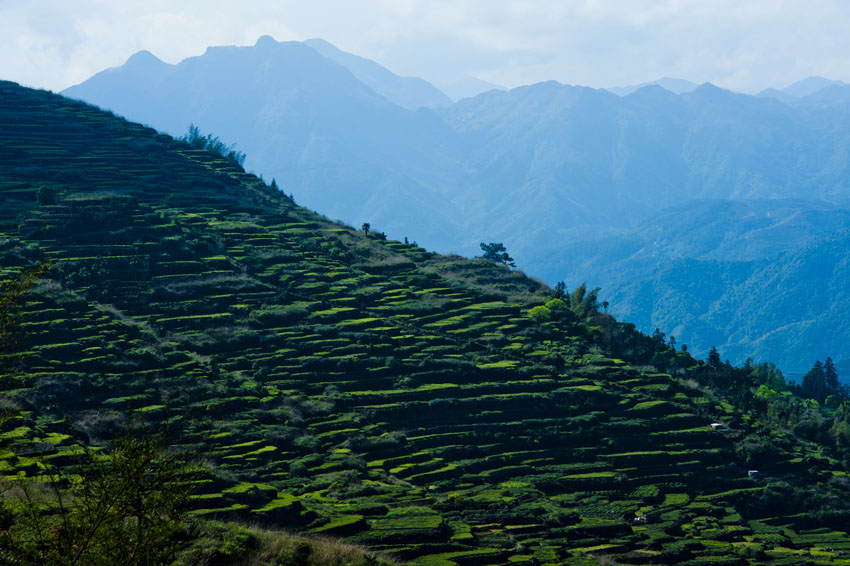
[744,45]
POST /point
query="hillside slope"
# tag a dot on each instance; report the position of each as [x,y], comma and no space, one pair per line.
[341,383]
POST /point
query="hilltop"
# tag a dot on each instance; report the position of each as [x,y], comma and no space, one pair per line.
[335,381]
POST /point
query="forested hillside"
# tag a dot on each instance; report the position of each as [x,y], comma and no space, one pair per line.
[332,380]
[760,279]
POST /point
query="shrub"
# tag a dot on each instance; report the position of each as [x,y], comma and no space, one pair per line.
[199,141]
[540,313]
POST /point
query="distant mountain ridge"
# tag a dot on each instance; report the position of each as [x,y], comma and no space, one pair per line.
[676,86]
[467,86]
[803,89]
[810,85]
[408,92]
[540,167]
[300,118]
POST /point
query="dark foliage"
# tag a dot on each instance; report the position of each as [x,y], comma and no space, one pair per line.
[496,252]
[197,140]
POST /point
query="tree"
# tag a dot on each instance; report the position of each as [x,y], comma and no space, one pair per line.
[583,302]
[830,375]
[129,509]
[560,290]
[714,357]
[659,338]
[540,313]
[496,252]
[814,383]
[843,396]
[366,227]
[46,195]
[197,140]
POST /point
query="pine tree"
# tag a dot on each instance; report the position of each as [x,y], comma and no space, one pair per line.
[659,338]
[560,290]
[830,375]
[814,383]
[714,357]
[496,252]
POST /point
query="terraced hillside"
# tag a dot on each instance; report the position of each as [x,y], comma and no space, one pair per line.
[336,382]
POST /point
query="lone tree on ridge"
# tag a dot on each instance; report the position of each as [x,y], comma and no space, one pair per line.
[496,252]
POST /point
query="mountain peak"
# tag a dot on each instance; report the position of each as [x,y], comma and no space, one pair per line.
[650,92]
[674,85]
[708,91]
[809,85]
[144,57]
[708,87]
[266,41]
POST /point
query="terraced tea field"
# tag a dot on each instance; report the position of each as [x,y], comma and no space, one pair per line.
[344,384]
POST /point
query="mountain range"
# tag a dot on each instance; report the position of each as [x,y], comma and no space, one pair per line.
[335,381]
[547,168]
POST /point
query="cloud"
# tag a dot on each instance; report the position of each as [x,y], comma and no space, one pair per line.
[741,45]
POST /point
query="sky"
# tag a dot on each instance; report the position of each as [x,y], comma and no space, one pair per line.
[743,45]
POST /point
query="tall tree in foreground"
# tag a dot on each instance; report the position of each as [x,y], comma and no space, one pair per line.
[125,508]
[128,509]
